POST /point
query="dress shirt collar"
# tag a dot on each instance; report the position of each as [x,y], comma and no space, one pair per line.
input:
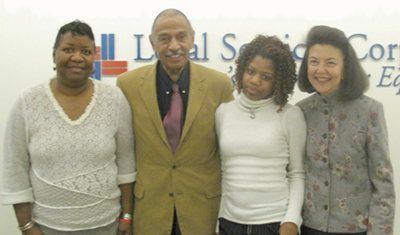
[166,82]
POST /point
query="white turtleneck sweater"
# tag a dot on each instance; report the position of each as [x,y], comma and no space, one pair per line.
[262,155]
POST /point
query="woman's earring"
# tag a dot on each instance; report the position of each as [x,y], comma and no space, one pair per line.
[54,67]
[93,70]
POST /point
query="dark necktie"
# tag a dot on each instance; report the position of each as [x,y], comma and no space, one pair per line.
[173,121]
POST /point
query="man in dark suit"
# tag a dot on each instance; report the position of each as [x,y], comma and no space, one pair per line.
[178,187]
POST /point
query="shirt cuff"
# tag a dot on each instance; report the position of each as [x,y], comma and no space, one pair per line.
[17,197]
[125,179]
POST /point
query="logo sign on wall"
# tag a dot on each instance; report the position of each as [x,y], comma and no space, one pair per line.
[104,60]
[106,64]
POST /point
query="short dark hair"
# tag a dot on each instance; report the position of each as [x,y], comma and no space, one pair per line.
[270,47]
[75,27]
[172,12]
[355,81]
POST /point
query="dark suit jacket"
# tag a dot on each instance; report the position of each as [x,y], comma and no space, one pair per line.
[189,180]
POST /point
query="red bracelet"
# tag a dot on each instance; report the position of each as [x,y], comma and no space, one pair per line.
[125,221]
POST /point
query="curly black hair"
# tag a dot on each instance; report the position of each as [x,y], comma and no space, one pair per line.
[270,47]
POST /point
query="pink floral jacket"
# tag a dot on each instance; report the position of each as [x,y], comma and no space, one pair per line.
[349,178]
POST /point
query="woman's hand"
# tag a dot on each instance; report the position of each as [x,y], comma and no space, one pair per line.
[124,229]
[288,228]
[127,207]
[23,213]
[33,231]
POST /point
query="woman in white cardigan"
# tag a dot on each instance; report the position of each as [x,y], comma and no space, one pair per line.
[262,141]
[69,164]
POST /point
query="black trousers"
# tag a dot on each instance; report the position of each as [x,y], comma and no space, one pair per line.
[175,226]
[309,231]
[227,227]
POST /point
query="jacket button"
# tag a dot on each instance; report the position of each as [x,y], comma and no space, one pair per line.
[326,112]
[174,167]
[326,207]
[324,136]
[326,183]
[171,194]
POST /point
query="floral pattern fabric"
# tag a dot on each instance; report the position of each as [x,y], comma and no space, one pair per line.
[349,177]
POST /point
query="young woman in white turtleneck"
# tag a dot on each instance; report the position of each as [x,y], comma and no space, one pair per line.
[262,141]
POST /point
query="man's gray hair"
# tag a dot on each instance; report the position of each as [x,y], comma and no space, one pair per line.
[172,12]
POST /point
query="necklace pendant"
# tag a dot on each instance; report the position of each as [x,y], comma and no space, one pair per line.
[252,114]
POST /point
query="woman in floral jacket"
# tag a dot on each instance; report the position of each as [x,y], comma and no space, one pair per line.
[349,182]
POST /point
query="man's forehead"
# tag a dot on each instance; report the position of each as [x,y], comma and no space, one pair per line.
[171,22]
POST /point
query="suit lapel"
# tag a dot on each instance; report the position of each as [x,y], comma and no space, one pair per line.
[197,92]
[148,91]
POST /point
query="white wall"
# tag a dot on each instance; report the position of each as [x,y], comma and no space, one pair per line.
[28,29]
